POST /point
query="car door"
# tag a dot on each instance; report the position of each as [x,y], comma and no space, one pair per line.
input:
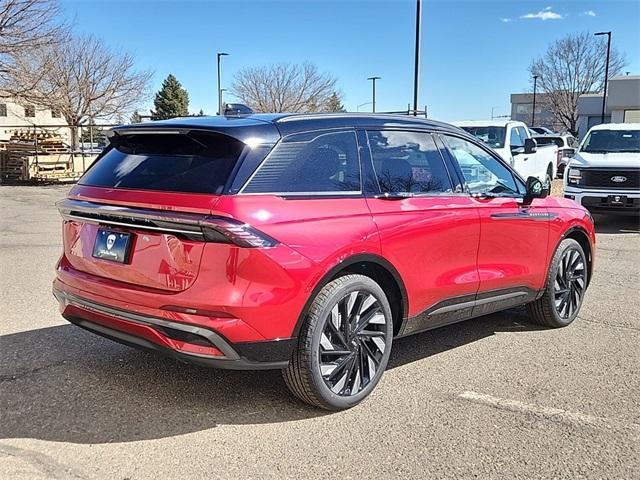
[521,160]
[429,229]
[512,253]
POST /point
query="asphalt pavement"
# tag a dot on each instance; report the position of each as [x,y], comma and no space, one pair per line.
[495,397]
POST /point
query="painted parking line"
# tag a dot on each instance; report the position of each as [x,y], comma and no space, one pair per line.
[548,413]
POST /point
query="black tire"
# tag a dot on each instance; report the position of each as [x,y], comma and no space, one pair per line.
[549,177]
[565,287]
[309,375]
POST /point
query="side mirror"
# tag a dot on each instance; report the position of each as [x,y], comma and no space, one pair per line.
[530,145]
[535,189]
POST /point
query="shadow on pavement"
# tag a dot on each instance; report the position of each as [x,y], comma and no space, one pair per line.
[617,223]
[64,384]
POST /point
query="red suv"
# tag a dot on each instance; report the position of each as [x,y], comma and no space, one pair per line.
[307,243]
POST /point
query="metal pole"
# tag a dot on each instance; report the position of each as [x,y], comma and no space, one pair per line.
[220,54]
[373,79]
[606,73]
[373,101]
[416,71]
[533,110]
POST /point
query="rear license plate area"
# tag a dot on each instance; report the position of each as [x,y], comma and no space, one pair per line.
[112,245]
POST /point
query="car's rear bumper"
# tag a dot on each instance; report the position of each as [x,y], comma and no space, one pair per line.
[185,342]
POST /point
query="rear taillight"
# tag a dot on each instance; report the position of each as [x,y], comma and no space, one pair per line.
[222,230]
[559,157]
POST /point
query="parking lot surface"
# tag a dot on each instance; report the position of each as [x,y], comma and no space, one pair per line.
[495,397]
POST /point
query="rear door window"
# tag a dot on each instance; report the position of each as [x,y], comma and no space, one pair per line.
[197,162]
[407,162]
[310,163]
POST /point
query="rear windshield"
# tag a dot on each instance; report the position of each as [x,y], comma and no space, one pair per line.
[197,162]
[549,141]
[490,136]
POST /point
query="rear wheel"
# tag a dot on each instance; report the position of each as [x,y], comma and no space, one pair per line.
[566,285]
[549,177]
[344,345]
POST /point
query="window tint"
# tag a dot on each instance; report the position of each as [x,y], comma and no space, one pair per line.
[482,172]
[407,162]
[515,139]
[491,136]
[550,141]
[195,163]
[314,162]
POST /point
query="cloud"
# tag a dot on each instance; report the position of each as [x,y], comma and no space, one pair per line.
[506,20]
[588,13]
[544,14]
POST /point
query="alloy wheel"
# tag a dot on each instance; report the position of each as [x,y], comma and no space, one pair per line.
[353,342]
[570,283]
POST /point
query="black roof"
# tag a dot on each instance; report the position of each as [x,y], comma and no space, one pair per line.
[270,126]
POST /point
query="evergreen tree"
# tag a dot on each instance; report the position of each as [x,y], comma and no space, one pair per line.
[201,113]
[171,100]
[334,104]
[135,117]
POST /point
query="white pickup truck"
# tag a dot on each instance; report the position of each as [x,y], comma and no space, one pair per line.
[604,175]
[512,141]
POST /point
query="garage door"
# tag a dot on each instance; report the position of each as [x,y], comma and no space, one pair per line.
[632,116]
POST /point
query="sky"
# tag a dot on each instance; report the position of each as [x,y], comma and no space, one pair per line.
[474,54]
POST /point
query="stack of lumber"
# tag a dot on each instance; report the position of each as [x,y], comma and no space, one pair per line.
[36,155]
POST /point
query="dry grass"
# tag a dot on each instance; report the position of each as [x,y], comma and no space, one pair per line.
[556,187]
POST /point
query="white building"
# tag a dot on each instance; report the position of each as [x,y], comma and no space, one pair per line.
[622,105]
[15,115]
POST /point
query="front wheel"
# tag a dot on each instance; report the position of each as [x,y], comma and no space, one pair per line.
[344,344]
[566,284]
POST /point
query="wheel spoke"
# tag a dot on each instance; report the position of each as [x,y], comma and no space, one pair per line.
[335,332]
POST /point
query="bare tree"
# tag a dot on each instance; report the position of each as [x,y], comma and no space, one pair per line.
[284,87]
[572,66]
[84,80]
[25,26]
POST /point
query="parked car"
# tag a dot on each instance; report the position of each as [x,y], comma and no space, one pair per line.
[513,142]
[567,146]
[541,131]
[308,243]
[604,175]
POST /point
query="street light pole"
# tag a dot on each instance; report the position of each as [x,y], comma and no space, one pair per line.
[220,54]
[533,110]
[416,66]
[222,90]
[373,103]
[606,72]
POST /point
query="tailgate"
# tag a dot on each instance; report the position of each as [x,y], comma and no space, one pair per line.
[156,249]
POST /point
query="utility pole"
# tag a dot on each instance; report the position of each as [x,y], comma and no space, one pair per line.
[416,71]
[373,103]
[606,72]
[220,54]
[533,110]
